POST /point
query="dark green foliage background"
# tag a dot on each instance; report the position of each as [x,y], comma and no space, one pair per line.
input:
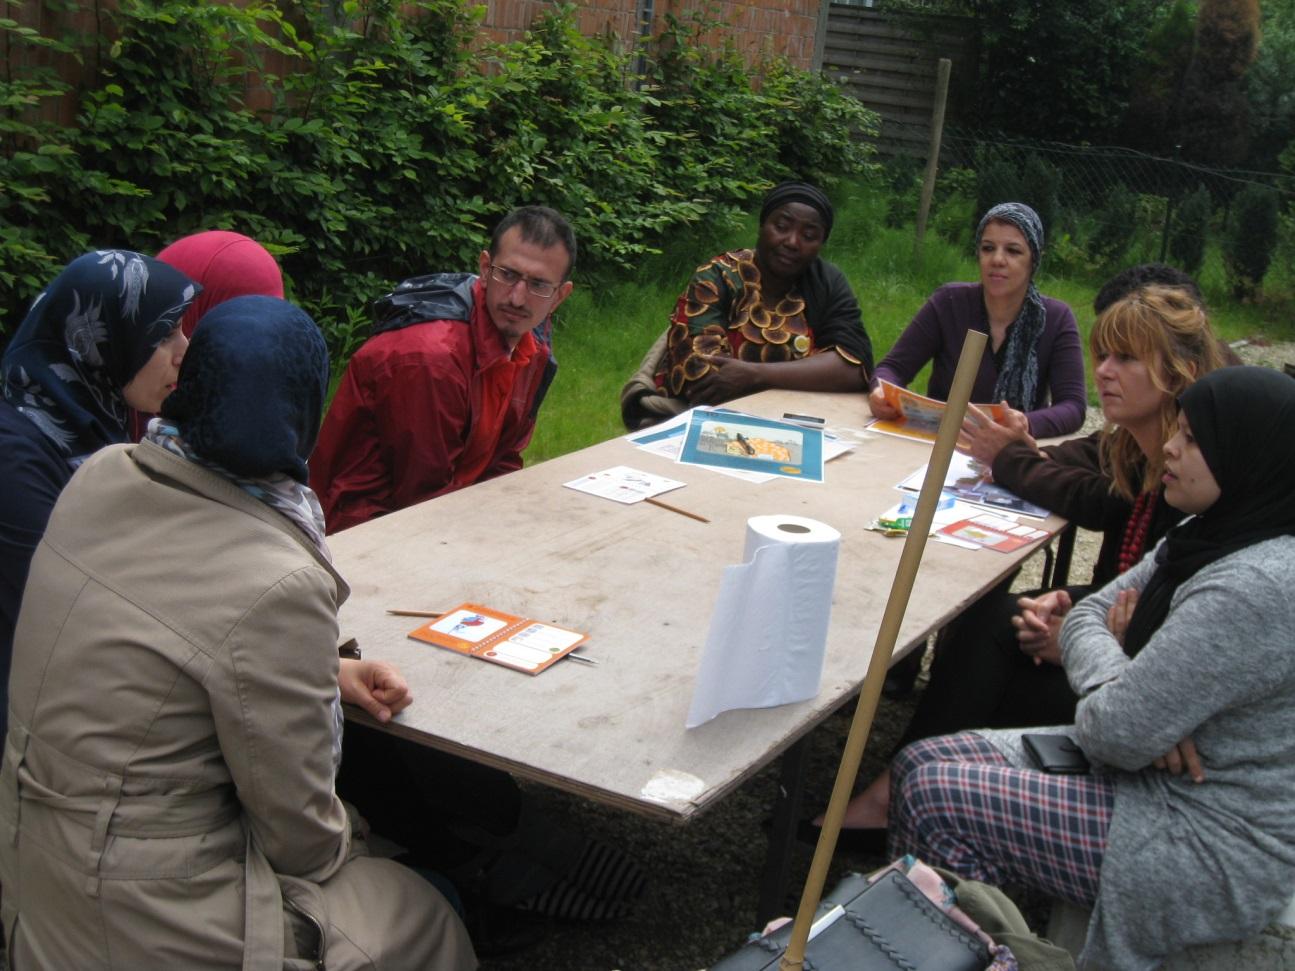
[394,144]
[1250,238]
[1191,229]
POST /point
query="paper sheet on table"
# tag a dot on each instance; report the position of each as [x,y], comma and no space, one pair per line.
[624,484]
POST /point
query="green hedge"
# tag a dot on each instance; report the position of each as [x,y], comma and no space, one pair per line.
[395,143]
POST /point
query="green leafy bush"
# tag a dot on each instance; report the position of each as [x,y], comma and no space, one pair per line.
[1040,188]
[1191,230]
[953,213]
[1116,225]
[392,140]
[997,181]
[1249,239]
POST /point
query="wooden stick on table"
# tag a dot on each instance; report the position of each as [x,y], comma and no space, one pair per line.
[681,512]
[887,635]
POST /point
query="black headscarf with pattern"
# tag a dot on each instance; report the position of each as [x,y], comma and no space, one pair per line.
[84,339]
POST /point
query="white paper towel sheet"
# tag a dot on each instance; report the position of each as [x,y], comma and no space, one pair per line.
[769,630]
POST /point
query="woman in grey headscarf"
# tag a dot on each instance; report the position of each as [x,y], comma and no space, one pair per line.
[1034,363]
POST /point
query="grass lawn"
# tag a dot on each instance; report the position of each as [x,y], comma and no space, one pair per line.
[606,326]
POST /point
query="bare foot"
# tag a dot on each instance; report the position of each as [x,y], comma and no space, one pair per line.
[869,809]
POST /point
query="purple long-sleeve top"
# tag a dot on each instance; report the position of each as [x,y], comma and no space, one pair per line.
[936,335]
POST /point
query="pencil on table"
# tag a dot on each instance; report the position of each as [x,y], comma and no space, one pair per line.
[415,613]
[681,512]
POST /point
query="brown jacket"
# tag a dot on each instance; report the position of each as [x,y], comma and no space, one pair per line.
[167,798]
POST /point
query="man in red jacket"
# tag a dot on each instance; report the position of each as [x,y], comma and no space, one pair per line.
[446,390]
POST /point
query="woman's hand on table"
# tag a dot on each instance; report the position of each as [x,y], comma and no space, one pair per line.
[983,438]
[1182,757]
[1039,623]
[880,407]
[375,686]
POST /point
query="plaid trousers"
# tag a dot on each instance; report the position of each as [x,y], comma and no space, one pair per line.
[956,802]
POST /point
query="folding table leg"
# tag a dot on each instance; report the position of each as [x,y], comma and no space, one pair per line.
[782,837]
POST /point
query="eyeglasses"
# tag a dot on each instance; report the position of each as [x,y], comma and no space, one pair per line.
[509,278]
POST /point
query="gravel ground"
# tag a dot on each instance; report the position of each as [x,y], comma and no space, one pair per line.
[705,876]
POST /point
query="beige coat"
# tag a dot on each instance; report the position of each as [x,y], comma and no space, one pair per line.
[167,798]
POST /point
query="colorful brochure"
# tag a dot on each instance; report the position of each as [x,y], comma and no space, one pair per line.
[966,481]
[994,532]
[515,642]
[919,415]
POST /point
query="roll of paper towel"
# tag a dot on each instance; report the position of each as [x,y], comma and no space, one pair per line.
[769,631]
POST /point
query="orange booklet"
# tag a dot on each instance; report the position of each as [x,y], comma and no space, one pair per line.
[516,642]
[919,415]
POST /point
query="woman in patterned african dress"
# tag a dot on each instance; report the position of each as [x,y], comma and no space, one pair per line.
[776,316]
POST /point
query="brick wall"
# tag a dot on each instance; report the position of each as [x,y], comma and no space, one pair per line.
[757,28]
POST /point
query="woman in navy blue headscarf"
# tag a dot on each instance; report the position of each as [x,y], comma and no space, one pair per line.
[103,337]
[251,401]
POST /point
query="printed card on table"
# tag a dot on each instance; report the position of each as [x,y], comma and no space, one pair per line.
[994,532]
[623,484]
[515,642]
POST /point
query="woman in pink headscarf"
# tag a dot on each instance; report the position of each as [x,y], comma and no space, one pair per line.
[227,265]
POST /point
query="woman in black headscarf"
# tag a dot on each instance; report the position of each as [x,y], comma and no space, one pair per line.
[168,780]
[1185,832]
[103,338]
[759,318]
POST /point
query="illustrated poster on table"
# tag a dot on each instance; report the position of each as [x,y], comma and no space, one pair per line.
[754,444]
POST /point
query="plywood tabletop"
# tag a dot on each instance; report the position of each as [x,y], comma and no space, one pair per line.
[642,582]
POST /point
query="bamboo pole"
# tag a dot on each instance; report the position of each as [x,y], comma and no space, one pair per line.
[932,153]
[887,635]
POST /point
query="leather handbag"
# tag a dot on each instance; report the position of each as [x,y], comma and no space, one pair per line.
[888,924]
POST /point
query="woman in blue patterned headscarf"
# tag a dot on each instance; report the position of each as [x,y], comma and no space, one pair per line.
[72,367]
[104,335]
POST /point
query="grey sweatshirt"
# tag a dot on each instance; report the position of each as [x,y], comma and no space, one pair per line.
[1190,863]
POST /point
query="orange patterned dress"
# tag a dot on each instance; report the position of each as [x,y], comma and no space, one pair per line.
[723,312]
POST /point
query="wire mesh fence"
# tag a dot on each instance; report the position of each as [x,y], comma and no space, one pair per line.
[1108,204]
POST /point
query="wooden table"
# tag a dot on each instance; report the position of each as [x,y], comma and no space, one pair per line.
[642,582]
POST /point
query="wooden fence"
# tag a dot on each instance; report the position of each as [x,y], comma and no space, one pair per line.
[889,64]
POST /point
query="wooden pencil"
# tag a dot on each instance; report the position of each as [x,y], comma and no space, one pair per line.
[681,512]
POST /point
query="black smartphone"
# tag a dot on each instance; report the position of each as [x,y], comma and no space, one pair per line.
[1055,753]
[809,421]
